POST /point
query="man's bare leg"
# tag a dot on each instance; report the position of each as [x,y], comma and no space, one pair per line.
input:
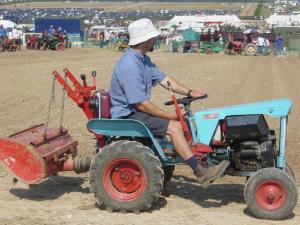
[205,176]
[178,140]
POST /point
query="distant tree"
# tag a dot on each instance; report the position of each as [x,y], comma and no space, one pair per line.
[259,10]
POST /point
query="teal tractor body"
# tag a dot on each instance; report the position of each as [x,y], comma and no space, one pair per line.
[237,133]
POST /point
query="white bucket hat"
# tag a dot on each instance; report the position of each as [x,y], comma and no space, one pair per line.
[141,30]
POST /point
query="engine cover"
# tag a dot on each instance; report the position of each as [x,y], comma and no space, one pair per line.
[246,128]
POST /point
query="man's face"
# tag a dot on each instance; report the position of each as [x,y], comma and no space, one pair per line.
[150,44]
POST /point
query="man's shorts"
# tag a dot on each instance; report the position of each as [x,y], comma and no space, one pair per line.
[157,125]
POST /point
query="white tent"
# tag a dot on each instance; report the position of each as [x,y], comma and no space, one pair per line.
[283,20]
[98,27]
[7,24]
[223,19]
[196,21]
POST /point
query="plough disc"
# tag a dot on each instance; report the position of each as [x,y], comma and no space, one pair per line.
[22,161]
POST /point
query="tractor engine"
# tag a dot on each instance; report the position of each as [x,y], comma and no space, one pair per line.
[251,142]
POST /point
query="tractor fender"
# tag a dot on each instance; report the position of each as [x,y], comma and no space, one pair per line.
[124,128]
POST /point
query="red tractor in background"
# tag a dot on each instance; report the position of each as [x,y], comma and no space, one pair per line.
[7,45]
[32,42]
[46,42]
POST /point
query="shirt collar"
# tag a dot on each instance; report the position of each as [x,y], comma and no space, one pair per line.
[136,54]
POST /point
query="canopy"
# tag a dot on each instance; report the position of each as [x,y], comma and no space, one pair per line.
[252,31]
[98,27]
[190,35]
[8,24]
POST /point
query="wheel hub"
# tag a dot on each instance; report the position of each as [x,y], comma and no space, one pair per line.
[126,176]
[124,179]
[270,195]
[251,49]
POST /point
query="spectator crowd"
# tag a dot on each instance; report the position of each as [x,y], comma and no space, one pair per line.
[98,15]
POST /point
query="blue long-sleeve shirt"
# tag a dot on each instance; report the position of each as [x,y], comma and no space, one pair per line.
[133,78]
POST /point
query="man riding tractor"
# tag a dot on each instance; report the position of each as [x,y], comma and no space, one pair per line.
[130,91]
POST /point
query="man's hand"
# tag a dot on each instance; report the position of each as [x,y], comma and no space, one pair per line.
[197,93]
[179,88]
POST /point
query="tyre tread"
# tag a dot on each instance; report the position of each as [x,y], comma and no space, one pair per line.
[271,174]
[150,162]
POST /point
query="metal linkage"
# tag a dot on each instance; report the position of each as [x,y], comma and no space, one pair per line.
[82,164]
[62,111]
[52,96]
[81,94]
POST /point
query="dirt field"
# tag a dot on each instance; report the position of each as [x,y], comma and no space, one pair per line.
[65,199]
[248,10]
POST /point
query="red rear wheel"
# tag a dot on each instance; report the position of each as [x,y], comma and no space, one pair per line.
[124,179]
[126,176]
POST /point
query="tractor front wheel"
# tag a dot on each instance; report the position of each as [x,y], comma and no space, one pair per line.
[250,49]
[126,176]
[270,194]
[60,46]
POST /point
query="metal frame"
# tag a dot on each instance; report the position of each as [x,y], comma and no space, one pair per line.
[282,143]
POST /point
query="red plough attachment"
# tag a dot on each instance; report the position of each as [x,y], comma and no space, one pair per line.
[33,154]
[38,152]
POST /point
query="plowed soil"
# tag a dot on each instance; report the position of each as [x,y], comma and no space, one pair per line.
[65,199]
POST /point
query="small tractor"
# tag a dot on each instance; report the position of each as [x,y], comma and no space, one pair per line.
[7,45]
[55,43]
[45,42]
[131,166]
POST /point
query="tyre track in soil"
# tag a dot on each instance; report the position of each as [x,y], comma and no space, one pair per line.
[250,83]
